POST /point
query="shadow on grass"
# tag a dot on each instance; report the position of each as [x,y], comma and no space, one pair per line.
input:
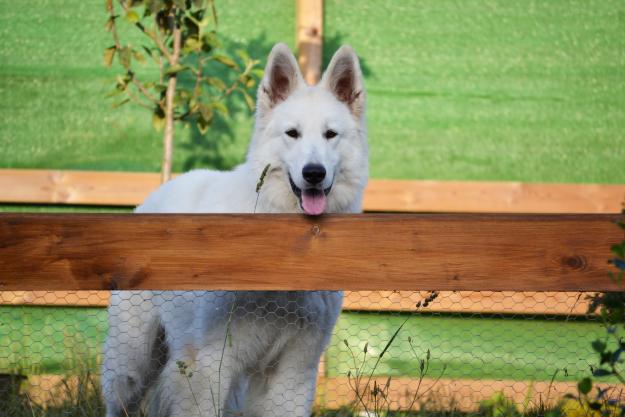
[208,150]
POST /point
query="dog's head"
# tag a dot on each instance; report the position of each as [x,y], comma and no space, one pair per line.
[314,137]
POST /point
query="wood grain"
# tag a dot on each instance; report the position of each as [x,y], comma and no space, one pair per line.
[292,252]
[492,197]
[76,187]
[131,188]
[309,38]
[56,298]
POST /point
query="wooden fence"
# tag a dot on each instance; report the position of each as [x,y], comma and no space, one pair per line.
[283,252]
[131,188]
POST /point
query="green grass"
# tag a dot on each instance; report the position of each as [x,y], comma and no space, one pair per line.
[44,208]
[491,89]
[51,340]
[484,90]
[468,347]
[59,339]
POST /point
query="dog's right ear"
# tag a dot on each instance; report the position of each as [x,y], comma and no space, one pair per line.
[281,78]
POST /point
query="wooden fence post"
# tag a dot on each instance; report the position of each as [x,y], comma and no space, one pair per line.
[309,38]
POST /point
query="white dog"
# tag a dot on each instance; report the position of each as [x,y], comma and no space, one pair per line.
[218,353]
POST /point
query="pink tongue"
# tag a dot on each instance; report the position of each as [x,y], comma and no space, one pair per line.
[313,202]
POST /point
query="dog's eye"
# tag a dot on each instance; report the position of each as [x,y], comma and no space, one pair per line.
[293,133]
[329,134]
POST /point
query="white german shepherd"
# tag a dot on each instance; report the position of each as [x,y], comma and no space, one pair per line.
[245,353]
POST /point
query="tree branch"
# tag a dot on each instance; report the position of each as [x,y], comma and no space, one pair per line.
[138,101]
[145,91]
[153,36]
[111,10]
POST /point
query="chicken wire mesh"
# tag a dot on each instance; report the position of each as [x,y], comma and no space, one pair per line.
[389,352]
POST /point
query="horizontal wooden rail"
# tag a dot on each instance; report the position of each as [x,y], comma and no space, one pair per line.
[458,394]
[335,392]
[76,187]
[468,302]
[292,252]
[131,188]
[492,197]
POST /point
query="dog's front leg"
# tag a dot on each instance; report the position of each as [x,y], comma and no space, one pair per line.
[197,382]
[290,386]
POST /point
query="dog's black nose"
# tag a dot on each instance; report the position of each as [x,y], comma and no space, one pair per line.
[314,173]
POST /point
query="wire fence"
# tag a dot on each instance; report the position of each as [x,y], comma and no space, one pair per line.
[256,353]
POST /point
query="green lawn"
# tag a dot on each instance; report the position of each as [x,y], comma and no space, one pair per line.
[51,340]
[61,339]
[467,347]
[488,90]
[491,89]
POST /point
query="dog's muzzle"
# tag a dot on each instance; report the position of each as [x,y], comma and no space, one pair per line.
[311,200]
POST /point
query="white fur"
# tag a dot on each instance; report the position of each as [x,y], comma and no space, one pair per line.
[251,353]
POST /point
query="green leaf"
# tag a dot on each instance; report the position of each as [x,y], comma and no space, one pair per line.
[192,44]
[154,5]
[109,54]
[202,126]
[132,16]
[206,113]
[148,50]
[114,93]
[248,99]
[158,121]
[125,56]
[259,72]
[619,250]
[193,106]
[176,69]
[181,4]
[221,108]
[121,103]
[211,39]
[585,385]
[138,56]
[245,57]
[109,24]
[227,61]
[184,93]
[216,82]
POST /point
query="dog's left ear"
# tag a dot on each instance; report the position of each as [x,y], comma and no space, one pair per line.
[344,79]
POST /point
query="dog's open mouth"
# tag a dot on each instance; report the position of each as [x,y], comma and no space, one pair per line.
[311,200]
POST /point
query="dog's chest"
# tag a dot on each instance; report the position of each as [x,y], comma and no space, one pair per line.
[286,309]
